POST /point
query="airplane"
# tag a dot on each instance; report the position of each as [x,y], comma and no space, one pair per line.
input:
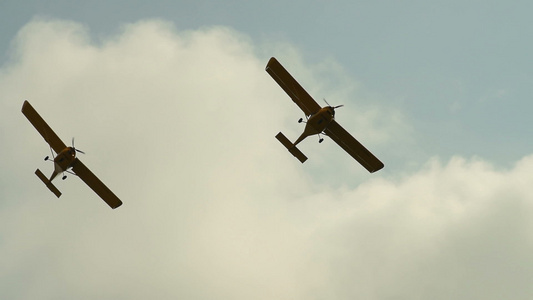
[319,120]
[66,160]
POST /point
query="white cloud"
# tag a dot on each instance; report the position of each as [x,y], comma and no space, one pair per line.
[460,230]
[181,125]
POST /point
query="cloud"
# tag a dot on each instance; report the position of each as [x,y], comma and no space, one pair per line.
[181,125]
[459,230]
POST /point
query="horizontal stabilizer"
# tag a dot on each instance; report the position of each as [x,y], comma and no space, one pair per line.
[48,183]
[292,149]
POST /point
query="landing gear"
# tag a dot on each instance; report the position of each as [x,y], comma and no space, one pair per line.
[46,158]
[64,177]
[320,139]
[300,120]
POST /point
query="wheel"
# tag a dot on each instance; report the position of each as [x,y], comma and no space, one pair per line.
[300,120]
[64,177]
[46,158]
[320,140]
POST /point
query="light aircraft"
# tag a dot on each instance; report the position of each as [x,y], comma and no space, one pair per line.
[66,159]
[319,120]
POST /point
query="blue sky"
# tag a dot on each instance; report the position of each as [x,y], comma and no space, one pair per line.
[171,103]
[458,71]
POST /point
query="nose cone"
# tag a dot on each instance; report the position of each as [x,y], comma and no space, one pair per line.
[331,111]
[72,151]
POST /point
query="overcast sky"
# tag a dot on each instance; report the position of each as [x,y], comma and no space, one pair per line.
[171,103]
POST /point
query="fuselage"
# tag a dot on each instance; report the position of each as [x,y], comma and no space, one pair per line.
[317,123]
[63,161]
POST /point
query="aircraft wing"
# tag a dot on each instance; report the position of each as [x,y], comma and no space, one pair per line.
[353,147]
[95,184]
[292,87]
[48,134]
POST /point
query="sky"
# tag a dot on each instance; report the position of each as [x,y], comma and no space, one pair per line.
[176,114]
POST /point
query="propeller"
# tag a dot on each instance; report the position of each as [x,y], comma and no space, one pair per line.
[332,106]
[77,150]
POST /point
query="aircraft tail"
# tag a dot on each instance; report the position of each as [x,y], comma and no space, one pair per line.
[48,183]
[291,147]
